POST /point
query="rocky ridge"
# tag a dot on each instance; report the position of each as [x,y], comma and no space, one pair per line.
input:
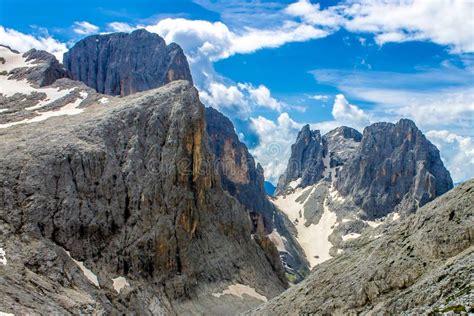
[239,174]
[357,182]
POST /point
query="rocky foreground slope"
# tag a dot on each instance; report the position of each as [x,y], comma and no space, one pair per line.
[113,208]
[422,264]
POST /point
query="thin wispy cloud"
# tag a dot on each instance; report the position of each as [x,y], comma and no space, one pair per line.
[85,28]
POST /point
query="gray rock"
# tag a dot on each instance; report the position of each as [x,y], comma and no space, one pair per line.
[395,168]
[126,188]
[244,180]
[306,160]
[421,264]
[342,143]
[46,71]
[122,63]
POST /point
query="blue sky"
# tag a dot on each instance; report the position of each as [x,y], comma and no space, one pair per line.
[273,66]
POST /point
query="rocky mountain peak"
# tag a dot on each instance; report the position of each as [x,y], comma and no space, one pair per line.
[344,132]
[305,165]
[395,167]
[126,63]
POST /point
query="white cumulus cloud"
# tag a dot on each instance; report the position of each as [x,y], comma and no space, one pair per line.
[261,96]
[120,27]
[313,14]
[24,42]
[445,22]
[85,28]
[456,151]
[349,114]
[275,140]
[220,96]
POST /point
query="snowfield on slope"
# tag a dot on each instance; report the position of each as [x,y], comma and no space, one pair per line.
[313,238]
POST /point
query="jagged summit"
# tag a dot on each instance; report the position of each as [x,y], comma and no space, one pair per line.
[305,165]
[338,185]
[395,167]
[126,63]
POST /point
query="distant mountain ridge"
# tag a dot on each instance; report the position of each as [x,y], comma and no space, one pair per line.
[342,183]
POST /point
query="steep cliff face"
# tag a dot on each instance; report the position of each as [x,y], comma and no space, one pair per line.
[126,188]
[244,180]
[395,168]
[305,166]
[420,265]
[122,63]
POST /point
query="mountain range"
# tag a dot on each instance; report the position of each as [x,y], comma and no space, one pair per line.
[121,192]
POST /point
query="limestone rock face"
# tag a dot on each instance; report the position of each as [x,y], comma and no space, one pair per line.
[127,189]
[419,265]
[306,161]
[244,180]
[395,168]
[342,143]
[122,63]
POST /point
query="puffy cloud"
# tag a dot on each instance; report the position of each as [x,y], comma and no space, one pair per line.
[348,114]
[445,22]
[313,14]
[254,39]
[240,99]
[261,96]
[435,99]
[456,151]
[216,41]
[24,42]
[85,28]
[221,96]
[275,140]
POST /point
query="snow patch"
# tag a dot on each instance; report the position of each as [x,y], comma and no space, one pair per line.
[52,94]
[335,195]
[120,283]
[3,110]
[3,257]
[13,60]
[395,216]
[350,236]
[68,109]
[6,314]
[87,273]
[314,238]
[293,184]
[103,100]
[239,290]
[374,224]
